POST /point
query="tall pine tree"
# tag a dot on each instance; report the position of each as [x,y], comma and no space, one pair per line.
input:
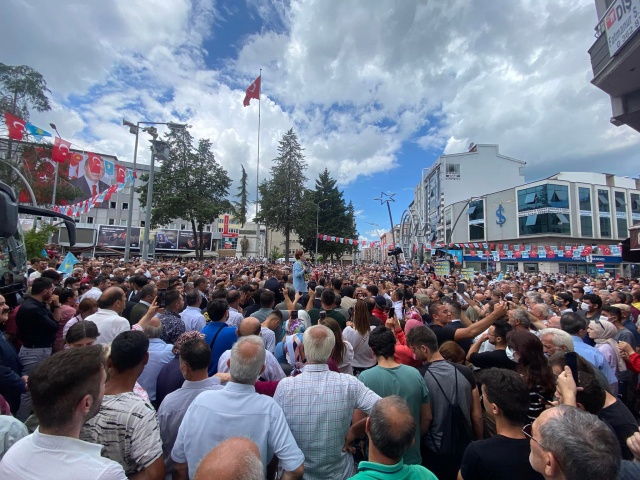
[240,207]
[281,195]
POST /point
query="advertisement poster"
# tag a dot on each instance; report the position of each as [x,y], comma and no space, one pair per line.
[187,242]
[166,239]
[116,236]
[467,273]
[442,268]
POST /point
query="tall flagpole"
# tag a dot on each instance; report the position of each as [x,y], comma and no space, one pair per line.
[258,243]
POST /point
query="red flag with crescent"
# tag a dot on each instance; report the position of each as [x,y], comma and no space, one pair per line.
[15,125]
[252,92]
[60,152]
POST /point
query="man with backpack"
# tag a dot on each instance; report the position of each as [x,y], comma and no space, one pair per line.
[455,405]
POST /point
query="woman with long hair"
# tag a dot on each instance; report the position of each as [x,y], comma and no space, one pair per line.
[534,368]
[358,336]
[342,352]
[87,307]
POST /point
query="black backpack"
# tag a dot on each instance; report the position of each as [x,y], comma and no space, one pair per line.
[457,433]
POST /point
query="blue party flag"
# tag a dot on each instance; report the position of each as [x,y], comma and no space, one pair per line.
[36,131]
[67,265]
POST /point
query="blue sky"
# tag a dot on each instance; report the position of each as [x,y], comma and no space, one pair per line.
[376,90]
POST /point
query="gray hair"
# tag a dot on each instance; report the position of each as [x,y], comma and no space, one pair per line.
[559,338]
[522,316]
[153,329]
[392,427]
[543,308]
[291,291]
[583,445]
[246,369]
[318,343]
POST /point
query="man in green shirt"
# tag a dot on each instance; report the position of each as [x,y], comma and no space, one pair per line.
[390,378]
[391,429]
[327,302]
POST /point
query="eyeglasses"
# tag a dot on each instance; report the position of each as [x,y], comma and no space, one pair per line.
[528,431]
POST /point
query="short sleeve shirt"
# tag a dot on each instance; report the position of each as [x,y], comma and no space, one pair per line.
[127,428]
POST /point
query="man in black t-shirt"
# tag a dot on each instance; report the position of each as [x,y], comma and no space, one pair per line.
[506,456]
[497,336]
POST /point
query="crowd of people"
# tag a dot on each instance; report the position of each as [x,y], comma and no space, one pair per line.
[249,370]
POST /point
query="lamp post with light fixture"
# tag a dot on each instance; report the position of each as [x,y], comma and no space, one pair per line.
[134,128]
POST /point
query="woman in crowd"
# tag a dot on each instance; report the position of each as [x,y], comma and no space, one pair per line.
[358,337]
[603,333]
[342,352]
[87,307]
[82,334]
[534,368]
[68,304]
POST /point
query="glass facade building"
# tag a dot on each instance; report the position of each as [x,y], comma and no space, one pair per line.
[544,209]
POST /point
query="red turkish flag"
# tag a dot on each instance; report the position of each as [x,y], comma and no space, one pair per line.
[121,173]
[60,151]
[252,92]
[15,125]
[95,162]
[533,253]
[517,254]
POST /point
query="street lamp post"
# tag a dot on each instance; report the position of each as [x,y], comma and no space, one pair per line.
[453,228]
[387,200]
[55,175]
[151,130]
[317,225]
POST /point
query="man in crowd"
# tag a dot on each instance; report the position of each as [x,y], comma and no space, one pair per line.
[66,390]
[391,430]
[594,304]
[505,456]
[568,443]
[195,355]
[243,412]
[192,315]
[147,296]
[235,458]
[251,326]
[390,378]
[136,283]
[172,324]
[108,320]
[126,426]
[12,384]
[554,339]
[160,353]
[496,336]
[448,384]
[233,299]
[37,320]
[201,284]
[100,284]
[318,405]
[219,336]
[327,303]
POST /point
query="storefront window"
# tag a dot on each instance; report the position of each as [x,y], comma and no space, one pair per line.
[544,209]
[621,214]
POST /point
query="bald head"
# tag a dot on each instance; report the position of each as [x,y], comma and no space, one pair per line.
[153,329]
[249,326]
[113,298]
[237,457]
[391,427]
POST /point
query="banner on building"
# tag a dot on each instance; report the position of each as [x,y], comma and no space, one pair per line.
[116,236]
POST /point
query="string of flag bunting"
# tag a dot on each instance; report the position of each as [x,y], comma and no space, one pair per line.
[501,250]
[61,153]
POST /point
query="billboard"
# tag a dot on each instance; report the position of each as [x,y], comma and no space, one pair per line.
[187,242]
[116,236]
[634,238]
[166,239]
[92,174]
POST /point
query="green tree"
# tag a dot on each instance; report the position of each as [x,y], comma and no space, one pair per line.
[36,240]
[191,185]
[282,194]
[240,207]
[335,218]
[22,89]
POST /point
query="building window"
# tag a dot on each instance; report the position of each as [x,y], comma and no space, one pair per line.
[604,213]
[544,209]
[123,222]
[452,171]
[89,219]
[112,221]
[476,220]
[586,217]
[183,226]
[447,226]
[621,214]
[112,204]
[142,223]
[635,208]
[125,206]
[207,228]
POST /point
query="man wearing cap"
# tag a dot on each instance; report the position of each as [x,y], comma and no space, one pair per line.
[378,310]
[90,183]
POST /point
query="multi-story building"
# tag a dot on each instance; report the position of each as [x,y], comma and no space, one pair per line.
[615,58]
[568,209]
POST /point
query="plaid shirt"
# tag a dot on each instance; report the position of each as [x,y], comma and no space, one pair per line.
[318,405]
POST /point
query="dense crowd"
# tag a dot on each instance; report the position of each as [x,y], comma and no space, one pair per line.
[238,369]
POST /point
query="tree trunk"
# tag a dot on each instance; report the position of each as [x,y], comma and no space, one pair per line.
[287,233]
[201,241]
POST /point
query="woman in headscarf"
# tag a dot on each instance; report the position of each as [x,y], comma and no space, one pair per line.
[603,332]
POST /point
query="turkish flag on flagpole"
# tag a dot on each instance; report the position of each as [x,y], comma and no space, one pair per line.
[60,152]
[120,173]
[252,92]
[16,125]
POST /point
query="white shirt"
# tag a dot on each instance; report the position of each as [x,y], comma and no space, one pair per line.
[269,339]
[109,324]
[53,457]
[236,410]
[94,293]
[272,373]
[193,319]
[234,317]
